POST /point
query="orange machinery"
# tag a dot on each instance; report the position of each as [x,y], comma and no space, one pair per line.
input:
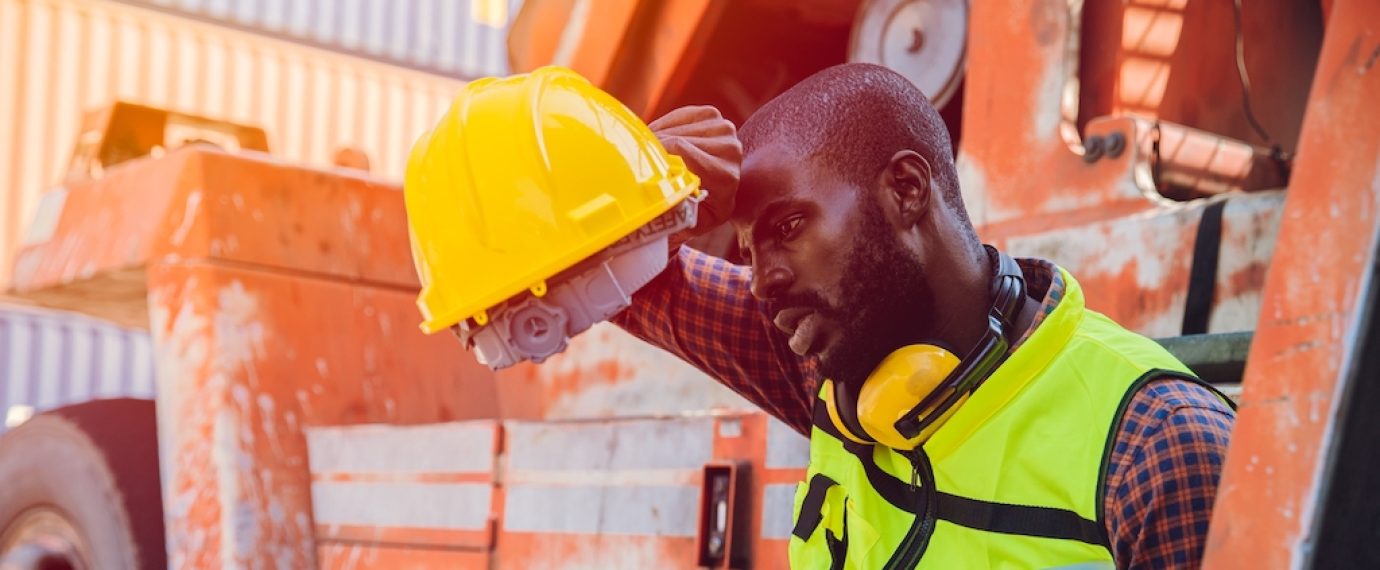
[302,421]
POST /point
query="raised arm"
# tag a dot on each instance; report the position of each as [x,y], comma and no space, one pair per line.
[700,310]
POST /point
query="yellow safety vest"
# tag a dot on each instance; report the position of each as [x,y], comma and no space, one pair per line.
[1018,468]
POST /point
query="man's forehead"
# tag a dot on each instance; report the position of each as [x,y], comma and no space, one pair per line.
[770,173]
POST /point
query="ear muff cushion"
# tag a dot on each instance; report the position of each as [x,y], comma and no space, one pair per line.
[902,380]
[843,420]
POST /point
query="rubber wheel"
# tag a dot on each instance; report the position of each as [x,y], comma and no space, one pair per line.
[81,489]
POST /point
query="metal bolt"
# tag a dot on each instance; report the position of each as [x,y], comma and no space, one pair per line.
[1092,149]
[917,41]
[1116,143]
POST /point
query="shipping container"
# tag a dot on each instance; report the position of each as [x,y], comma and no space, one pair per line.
[458,38]
[59,58]
[50,359]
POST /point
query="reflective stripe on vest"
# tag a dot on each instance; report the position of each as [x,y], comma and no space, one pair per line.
[1019,467]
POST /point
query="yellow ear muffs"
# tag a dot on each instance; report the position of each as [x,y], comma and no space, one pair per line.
[916,388]
[902,380]
[899,383]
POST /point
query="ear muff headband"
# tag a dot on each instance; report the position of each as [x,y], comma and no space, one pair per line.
[1008,298]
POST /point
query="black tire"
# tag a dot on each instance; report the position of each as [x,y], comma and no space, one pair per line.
[92,468]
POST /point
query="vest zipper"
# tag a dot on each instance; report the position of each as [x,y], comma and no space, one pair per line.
[917,538]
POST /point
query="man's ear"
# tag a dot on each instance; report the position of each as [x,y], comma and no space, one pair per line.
[908,184]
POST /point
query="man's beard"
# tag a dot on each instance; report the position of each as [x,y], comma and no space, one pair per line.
[885,302]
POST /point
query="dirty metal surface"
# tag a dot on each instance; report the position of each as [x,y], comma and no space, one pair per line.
[1032,187]
[624,493]
[1306,341]
[246,359]
[605,373]
[385,496]
[278,298]
[1135,269]
[200,203]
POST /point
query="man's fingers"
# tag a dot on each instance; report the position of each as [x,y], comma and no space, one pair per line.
[704,163]
[714,128]
[684,115]
[709,145]
[718,147]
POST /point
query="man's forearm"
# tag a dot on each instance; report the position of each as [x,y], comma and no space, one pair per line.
[701,310]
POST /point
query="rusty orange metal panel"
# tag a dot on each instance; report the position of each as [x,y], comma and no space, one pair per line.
[604,373]
[384,557]
[535,551]
[682,34]
[1136,268]
[267,317]
[1176,61]
[582,35]
[246,360]
[59,58]
[778,457]
[1032,187]
[1264,515]
[1020,157]
[624,493]
[611,493]
[635,49]
[199,203]
[422,494]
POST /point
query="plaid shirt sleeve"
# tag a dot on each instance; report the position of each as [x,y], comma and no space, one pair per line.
[1163,472]
[701,310]
[1165,462]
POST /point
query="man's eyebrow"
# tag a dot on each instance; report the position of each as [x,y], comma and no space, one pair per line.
[774,208]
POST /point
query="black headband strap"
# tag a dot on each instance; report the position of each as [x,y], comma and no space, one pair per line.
[1008,299]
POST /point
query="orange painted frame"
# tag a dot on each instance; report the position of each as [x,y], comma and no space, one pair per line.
[1270,492]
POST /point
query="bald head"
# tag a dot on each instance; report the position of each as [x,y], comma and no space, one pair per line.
[851,119]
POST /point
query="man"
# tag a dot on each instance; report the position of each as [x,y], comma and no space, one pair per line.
[1080,443]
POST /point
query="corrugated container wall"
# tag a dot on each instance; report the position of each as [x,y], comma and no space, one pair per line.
[59,58]
[49,359]
[458,38]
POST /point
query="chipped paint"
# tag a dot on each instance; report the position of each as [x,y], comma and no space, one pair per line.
[248,352]
[624,492]
[1308,328]
[1144,286]
[189,211]
[606,372]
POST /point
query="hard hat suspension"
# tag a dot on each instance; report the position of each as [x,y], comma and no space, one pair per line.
[533,328]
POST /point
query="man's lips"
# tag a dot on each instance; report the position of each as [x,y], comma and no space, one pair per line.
[802,325]
[788,319]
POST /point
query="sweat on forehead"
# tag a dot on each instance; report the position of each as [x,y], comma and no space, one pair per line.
[852,118]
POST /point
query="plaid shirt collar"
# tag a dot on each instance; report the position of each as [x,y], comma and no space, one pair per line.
[1042,281]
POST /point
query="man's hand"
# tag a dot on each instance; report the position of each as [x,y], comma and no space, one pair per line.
[709,145]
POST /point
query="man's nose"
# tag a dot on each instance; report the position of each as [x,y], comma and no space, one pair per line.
[770,279]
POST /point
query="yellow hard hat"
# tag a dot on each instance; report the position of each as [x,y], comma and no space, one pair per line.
[524,177]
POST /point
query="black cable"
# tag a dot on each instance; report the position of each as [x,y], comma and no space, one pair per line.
[1245,78]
